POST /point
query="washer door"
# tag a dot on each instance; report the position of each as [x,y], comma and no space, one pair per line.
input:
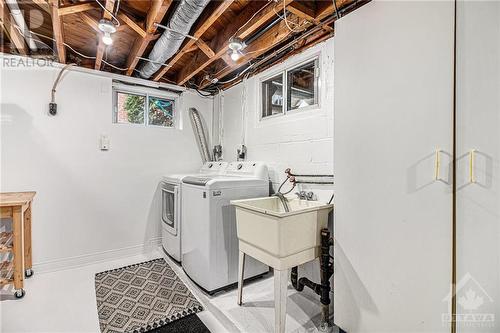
[169,197]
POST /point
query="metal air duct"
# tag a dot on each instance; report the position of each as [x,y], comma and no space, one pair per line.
[200,135]
[183,18]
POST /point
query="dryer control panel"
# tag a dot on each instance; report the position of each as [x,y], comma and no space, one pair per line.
[247,169]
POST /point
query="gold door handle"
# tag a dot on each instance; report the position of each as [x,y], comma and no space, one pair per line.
[437,164]
[472,157]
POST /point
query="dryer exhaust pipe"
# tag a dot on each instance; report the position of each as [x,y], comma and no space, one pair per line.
[200,135]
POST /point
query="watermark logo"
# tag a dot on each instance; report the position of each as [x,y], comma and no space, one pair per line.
[473,305]
[14,62]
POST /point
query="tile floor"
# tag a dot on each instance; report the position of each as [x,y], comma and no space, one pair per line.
[64,301]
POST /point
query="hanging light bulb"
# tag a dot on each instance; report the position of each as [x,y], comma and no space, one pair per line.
[106,38]
[107,27]
[236,45]
[235,55]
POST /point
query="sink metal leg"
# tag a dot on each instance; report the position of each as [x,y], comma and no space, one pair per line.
[241,274]
[280,295]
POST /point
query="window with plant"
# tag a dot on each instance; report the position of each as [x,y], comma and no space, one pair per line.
[145,109]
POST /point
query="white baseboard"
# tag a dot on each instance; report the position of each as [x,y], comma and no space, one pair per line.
[92,258]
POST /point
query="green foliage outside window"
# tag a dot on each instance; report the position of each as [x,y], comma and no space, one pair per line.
[161,112]
[134,105]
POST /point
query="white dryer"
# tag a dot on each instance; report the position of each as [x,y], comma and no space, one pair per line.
[171,207]
[209,241]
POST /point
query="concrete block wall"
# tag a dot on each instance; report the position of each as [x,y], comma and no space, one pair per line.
[302,140]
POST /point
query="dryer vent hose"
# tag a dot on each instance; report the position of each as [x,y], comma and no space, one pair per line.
[200,134]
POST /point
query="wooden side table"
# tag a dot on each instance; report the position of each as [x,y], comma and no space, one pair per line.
[17,206]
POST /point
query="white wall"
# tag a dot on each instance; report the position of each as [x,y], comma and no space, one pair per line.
[90,204]
[302,141]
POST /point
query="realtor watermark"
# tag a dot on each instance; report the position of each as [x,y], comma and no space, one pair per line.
[15,62]
[474,308]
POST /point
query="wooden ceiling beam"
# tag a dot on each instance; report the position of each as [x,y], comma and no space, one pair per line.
[207,23]
[58,29]
[265,12]
[277,34]
[78,8]
[137,27]
[101,47]
[92,22]
[14,34]
[302,11]
[327,8]
[44,5]
[205,48]
[155,15]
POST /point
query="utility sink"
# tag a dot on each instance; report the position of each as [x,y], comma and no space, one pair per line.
[278,238]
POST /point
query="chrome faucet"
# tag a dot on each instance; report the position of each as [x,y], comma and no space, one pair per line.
[303,195]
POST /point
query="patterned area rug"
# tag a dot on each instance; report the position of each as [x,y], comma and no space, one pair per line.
[142,297]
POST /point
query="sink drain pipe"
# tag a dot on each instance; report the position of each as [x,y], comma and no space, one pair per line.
[323,288]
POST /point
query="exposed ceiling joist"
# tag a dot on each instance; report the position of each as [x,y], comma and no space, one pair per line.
[205,48]
[101,47]
[14,34]
[92,22]
[155,15]
[220,44]
[302,11]
[137,27]
[198,33]
[325,9]
[266,42]
[78,8]
[43,4]
[57,27]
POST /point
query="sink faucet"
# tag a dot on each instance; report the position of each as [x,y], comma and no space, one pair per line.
[303,195]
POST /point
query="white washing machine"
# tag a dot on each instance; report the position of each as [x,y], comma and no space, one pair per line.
[209,241]
[171,203]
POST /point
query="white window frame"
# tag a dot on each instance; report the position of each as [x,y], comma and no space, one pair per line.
[146,92]
[261,97]
[284,72]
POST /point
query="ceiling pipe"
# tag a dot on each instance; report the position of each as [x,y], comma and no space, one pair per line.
[183,18]
[18,17]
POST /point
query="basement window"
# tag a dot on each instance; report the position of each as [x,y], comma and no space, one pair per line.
[129,108]
[293,89]
[161,111]
[143,109]
[272,96]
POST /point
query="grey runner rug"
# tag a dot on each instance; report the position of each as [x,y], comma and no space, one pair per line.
[142,297]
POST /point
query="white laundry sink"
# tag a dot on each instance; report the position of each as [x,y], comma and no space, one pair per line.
[278,238]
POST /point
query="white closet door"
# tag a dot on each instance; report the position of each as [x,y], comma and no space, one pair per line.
[478,199]
[393,110]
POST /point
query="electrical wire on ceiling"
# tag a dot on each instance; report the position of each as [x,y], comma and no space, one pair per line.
[286,20]
[278,51]
[110,13]
[252,17]
[69,47]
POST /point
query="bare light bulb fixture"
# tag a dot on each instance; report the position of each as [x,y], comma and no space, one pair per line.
[236,45]
[235,55]
[107,27]
[106,38]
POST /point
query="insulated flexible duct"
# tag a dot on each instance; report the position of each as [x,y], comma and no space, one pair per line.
[200,134]
[186,13]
